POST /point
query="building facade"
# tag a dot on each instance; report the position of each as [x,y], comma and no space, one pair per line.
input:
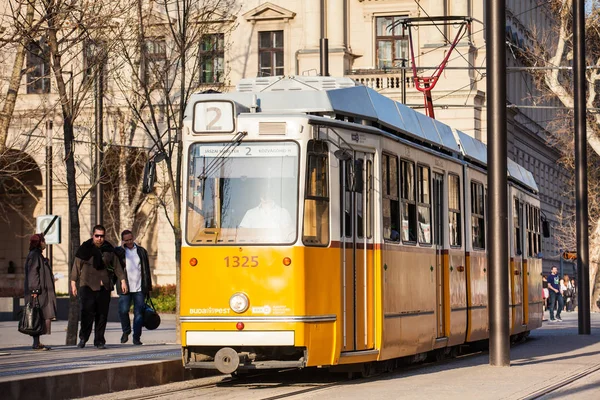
[367,42]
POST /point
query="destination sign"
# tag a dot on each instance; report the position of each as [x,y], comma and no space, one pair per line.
[271,150]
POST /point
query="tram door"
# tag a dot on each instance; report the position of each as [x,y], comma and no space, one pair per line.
[438,238]
[357,252]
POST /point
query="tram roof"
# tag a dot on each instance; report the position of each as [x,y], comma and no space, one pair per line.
[331,95]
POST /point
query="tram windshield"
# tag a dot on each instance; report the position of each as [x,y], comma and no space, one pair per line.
[246,193]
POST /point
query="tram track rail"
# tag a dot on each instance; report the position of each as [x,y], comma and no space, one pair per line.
[540,393]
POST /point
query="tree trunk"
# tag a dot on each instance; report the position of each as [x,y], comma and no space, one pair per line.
[15,81]
[67,113]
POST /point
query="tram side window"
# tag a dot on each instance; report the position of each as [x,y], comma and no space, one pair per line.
[517,227]
[424,205]
[454,210]
[529,229]
[346,199]
[409,206]
[364,201]
[477,215]
[537,232]
[391,204]
[316,199]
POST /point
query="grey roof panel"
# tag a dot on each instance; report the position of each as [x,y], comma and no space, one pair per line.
[471,147]
[352,101]
[446,135]
[387,112]
[411,122]
[428,128]
[520,174]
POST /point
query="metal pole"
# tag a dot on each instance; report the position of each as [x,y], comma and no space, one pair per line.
[404,80]
[49,181]
[99,140]
[581,189]
[497,183]
[324,43]
[561,262]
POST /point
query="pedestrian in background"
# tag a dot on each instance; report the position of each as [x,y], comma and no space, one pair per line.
[574,297]
[567,289]
[555,295]
[95,262]
[545,295]
[39,284]
[134,259]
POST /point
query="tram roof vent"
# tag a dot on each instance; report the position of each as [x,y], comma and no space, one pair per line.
[294,83]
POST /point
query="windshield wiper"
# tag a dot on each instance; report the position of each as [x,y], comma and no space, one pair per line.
[219,159]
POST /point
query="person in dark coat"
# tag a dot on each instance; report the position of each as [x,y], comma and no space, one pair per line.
[94,266]
[134,260]
[39,284]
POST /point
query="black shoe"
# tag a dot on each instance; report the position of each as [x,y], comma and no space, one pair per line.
[100,346]
[137,342]
[81,344]
[124,337]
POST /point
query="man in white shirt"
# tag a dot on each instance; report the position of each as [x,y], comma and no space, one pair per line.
[134,259]
[268,215]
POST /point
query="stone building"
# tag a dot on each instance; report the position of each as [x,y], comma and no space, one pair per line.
[368,43]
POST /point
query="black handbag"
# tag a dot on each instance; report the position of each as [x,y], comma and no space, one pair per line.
[151,317]
[32,321]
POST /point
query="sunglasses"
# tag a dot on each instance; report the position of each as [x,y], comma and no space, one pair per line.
[98,236]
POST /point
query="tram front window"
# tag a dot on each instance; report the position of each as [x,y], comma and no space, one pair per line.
[246,194]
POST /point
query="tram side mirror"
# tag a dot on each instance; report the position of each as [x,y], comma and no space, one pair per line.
[149,177]
[545,228]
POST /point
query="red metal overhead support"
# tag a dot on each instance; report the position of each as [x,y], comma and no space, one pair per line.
[425,84]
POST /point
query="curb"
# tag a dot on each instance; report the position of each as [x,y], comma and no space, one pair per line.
[102,381]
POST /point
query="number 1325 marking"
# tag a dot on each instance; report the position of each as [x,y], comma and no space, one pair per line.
[243,261]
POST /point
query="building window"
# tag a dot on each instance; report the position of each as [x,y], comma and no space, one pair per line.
[454,210]
[391,204]
[391,45]
[155,63]
[212,55]
[477,215]
[38,67]
[409,206]
[423,205]
[270,53]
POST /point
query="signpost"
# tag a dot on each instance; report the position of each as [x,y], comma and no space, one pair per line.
[49,225]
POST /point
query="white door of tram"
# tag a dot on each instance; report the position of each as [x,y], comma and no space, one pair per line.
[356,188]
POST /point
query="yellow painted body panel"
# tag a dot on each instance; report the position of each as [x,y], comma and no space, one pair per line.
[402,293]
[478,297]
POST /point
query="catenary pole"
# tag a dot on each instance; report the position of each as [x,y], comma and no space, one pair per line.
[99,81]
[49,181]
[497,233]
[581,189]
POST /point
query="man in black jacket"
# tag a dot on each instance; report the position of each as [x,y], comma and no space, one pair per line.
[134,259]
[94,266]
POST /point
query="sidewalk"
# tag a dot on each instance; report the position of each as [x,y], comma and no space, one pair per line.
[70,372]
[554,357]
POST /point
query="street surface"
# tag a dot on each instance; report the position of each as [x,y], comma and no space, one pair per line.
[555,357]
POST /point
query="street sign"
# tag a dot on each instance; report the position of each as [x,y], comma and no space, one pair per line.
[569,255]
[49,225]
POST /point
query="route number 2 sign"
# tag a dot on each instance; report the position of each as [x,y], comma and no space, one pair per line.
[214,117]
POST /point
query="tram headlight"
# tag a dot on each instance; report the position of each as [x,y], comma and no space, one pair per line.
[239,302]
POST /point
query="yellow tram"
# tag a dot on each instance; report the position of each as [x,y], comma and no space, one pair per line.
[327,225]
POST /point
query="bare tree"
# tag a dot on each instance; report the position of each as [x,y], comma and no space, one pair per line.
[164,67]
[75,31]
[555,49]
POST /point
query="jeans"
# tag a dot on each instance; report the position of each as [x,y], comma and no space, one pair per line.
[554,298]
[94,311]
[138,313]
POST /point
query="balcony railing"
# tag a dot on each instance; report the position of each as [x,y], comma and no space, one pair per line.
[383,81]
